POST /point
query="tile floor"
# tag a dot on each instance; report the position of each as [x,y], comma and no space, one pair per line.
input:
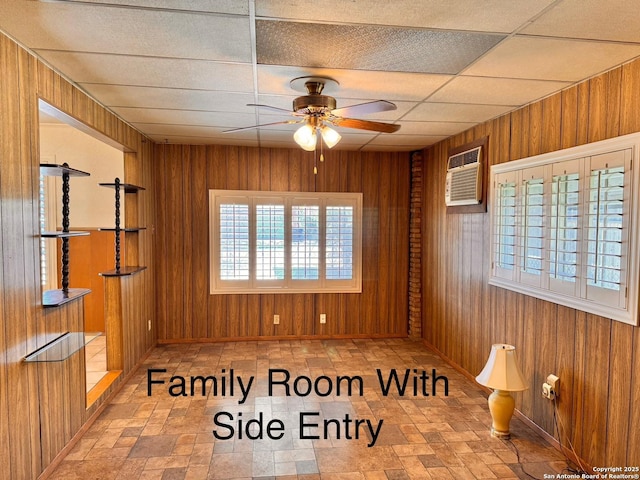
[96,360]
[167,437]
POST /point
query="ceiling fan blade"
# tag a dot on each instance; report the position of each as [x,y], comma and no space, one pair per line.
[365,125]
[365,108]
[274,109]
[286,122]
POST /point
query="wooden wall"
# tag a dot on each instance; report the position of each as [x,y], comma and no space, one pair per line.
[90,255]
[597,360]
[42,405]
[186,311]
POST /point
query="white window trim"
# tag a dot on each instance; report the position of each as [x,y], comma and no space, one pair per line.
[322,285]
[628,314]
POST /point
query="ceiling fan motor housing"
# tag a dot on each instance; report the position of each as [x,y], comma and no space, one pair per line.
[314,103]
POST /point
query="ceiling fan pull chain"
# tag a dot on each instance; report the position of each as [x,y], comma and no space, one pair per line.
[315,162]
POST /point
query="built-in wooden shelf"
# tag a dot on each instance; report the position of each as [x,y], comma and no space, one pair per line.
[60,234]
[126,230]
[54,170]
[127,187]
[62,347]
[55,298]
[123,271]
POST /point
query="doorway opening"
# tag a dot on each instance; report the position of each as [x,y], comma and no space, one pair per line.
[89,208]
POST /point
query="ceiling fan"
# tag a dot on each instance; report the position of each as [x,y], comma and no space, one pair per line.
[316,112]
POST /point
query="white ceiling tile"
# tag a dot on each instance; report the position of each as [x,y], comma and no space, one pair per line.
[495,91]
[591,19]
[278,135]
[195,140]
[185,117]
[154,72]
[355,137]
[551,58]
[354,84]
[237,7]
[100,29]
[194,131]
[487,16]
[452,112]
[170,98]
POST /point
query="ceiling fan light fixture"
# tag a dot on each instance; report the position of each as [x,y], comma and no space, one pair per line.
[330,136]
[306,137]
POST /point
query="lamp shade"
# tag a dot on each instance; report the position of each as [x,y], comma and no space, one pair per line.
[501,371]
[330,136]
[306,137]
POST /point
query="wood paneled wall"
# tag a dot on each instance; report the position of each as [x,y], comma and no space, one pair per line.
[597,360]
[42,405]
[186,311]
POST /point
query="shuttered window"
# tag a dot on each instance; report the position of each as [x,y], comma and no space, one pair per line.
[234,241]
[305,242]
[285,242]
[564,228]
[339,244]
[505,226]
[571,215]
[532,226]
[270,242]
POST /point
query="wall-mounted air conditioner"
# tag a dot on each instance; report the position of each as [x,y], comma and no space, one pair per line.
[464,178]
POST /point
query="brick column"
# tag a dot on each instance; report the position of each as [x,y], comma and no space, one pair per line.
[415,247]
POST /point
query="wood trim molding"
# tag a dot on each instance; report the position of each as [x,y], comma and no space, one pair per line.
[484,162]
[46,473]
[279,337]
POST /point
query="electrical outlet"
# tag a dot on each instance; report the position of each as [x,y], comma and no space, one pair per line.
[551,387]
[276,319]
[323,318]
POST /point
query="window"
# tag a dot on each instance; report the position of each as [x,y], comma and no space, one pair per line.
[285,242]
[532,230]
[573,218]
[505,226]
[47,221]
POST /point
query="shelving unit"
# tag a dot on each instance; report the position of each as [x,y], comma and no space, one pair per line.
[119,270]
[62,347]
[54,298]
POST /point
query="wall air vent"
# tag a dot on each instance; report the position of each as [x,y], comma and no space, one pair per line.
[464,178]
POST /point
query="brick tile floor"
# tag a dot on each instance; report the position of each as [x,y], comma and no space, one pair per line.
[167,437]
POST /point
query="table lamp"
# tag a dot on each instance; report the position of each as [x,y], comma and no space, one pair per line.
[503,375]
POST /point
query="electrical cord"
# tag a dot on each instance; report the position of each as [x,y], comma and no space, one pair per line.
[559,427]
[514,449]
[557,421]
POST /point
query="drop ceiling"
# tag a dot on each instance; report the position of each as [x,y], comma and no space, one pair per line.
[183,71]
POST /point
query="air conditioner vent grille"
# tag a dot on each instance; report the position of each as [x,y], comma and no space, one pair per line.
[464,186]
[464,158]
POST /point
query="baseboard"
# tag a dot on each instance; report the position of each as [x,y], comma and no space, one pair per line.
[168,341]
[92,418]
[521,416]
